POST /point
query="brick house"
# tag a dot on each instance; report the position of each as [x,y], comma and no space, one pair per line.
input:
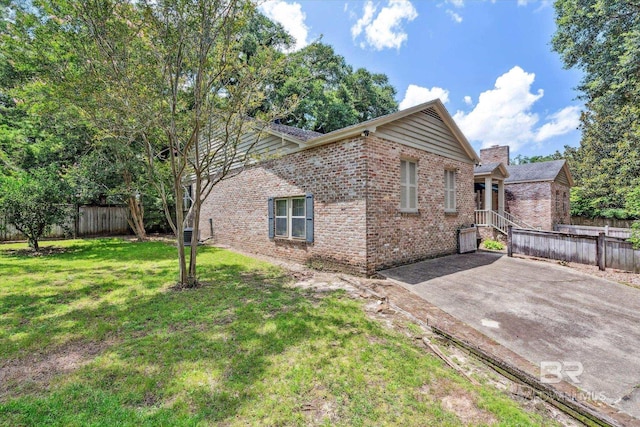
[533,195]
[385,192]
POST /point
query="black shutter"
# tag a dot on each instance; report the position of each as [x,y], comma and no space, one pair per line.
[309,212]
[272,228]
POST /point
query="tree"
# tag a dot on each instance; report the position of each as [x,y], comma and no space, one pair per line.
[521,160]
[33,202]
[332,95]
[602,38]
[169,79]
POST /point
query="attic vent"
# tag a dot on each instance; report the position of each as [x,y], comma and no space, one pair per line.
[431,112]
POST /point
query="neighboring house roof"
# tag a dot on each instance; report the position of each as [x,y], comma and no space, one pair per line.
[435,109]
[491,169]
[300,134]
[539,172]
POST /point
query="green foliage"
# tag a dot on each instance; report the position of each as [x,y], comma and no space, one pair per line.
[521,160]
[330,94]
[246,349]
[33,202]
[602,38]
[635,235]
[493,245]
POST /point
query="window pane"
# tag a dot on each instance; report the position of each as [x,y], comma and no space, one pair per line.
[281,207]
[403,171]
[412,173]
[297,227]
[281,226]
[403,196]
[298,207]
[412,198]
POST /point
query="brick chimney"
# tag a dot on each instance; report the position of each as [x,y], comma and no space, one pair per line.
[495,154]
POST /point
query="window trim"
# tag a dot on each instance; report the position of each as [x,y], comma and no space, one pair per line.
[450,191]
[405,187]
[289,217]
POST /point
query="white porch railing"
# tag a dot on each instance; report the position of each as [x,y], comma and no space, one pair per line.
[499,221]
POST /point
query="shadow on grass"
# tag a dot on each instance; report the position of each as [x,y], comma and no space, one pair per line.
[202,349]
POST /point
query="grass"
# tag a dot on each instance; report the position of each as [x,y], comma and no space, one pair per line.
[93,335]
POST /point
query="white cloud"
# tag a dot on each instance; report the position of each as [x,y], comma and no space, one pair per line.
[384,31]
[503,115]
[468,100]
[562,122]
[292,18]
[456,3]
[417,95]
[454,16]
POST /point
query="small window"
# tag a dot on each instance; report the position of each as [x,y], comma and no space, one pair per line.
[449,191]
[565,202]
[290,216]
[557,201]
[408,185]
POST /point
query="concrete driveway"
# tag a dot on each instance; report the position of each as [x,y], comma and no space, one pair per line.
[580,327]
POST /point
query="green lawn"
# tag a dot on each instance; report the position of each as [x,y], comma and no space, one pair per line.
[94,335]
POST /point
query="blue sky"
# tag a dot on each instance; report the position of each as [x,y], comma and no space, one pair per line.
[490,62]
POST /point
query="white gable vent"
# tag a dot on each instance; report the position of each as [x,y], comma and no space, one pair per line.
[431,112]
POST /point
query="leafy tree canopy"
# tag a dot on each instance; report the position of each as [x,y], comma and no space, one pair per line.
[602,38]
[331,94]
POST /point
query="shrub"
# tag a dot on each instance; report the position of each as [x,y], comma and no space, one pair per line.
[635,235]
[493,245]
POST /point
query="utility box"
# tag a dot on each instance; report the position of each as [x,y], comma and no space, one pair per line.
[188,232]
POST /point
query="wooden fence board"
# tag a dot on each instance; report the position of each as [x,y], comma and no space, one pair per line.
[92,221]
[618,253]
[623,233]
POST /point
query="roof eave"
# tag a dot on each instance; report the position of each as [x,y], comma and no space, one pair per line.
[372,124]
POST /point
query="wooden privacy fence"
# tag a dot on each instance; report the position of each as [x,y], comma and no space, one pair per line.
[88,221]
[603,251]
[586,230]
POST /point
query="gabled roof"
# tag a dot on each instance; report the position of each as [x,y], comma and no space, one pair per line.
[538,172]
[491,169]
[299,134]
[373,124]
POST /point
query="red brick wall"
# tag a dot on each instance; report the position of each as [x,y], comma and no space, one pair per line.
[396,238]
[334,174]
[496,154]
[535,203]
[560,214]
[530,202]
[356,188]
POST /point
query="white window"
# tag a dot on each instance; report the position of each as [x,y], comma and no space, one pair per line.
[449,191]
[290,218]
[408,185]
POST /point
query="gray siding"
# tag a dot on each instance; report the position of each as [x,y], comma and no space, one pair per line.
[426,131]
[562,178]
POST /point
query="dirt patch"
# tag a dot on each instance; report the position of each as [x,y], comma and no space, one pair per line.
[466,410]
[320,407]
[30,252]
[37,370]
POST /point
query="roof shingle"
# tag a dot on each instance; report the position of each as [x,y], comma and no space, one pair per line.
[543,171]
[301,134]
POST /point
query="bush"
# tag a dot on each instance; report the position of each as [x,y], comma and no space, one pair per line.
[493,245]
[33,202]
[635,235]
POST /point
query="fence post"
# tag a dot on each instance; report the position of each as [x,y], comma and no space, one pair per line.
[600,252]
[509,241]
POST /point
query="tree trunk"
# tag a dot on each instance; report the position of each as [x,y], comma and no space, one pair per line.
[196,228]
[184,276]
[136,218]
